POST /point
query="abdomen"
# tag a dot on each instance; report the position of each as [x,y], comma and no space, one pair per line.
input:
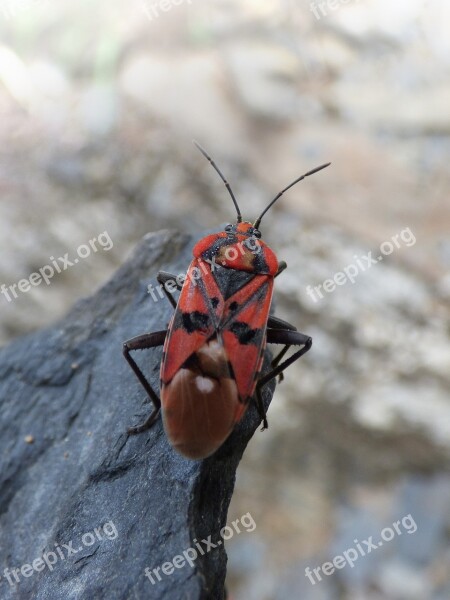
[201,403]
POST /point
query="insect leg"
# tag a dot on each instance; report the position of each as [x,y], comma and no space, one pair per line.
[260,406]
[142,342]
[289,338]
[163,277]
[281,267]
[277,323]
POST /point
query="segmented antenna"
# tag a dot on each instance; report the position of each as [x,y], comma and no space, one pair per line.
[205,154]
[258,220]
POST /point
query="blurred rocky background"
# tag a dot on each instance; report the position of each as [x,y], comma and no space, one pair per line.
[98,105]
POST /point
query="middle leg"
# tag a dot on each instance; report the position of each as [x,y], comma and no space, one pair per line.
[289,338]
[143,342]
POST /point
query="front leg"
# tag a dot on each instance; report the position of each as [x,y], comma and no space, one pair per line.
[164,277]
[281,267]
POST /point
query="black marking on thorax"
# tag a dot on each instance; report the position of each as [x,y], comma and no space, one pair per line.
[230,281]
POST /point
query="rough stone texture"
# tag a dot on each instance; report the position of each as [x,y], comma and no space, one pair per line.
[70,389]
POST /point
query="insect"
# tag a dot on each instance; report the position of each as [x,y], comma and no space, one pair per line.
[215,342]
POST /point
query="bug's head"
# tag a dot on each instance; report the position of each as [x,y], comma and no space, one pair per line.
[244,228]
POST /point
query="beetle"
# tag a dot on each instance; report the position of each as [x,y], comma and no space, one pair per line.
[214,346]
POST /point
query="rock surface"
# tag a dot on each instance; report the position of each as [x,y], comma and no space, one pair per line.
[70,474]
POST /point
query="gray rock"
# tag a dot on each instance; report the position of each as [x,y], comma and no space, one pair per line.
[70,474]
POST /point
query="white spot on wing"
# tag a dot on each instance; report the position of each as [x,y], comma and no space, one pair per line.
[204,384]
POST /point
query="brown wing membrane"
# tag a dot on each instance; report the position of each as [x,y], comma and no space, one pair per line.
[201,402]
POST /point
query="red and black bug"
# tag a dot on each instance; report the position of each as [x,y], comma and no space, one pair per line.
[214,345]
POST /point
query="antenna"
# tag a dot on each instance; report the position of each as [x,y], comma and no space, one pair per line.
[205,154]
[258,220]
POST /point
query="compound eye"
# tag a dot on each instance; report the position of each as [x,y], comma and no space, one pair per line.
[256,233]
[228,227]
